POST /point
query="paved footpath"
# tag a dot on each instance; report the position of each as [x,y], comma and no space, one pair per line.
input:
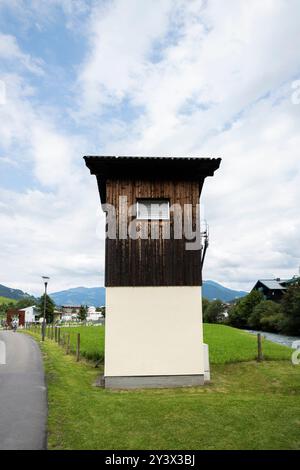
[23,396]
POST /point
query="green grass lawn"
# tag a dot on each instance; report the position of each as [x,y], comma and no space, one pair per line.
[91,341]
[5,300]
[247,405]
[226,344]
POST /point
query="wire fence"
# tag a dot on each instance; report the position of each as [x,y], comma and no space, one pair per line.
[69,341]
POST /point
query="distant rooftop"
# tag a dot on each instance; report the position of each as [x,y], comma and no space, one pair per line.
[272,284]
[70,306]
[25,308]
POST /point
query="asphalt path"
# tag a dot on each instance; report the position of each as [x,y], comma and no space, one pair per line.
[23,394]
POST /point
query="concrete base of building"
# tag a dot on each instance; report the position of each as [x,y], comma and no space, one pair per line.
[206,363]
[153,381]
[145,325]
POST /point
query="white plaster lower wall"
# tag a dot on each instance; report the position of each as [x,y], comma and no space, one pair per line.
[153,331]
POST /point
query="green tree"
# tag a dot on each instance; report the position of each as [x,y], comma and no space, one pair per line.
[214,312]
[82,313]
[239,313]
[266,316]
[26,302]
[50,306]
[205,304]
[101,310]
[291,310]
[4,307]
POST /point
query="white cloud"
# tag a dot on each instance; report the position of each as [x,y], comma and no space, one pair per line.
[52,233]
[200,78]
[51,229]
[52,154]
[121,36]
[10,51]
[220,88]
[40,13]
[8,161]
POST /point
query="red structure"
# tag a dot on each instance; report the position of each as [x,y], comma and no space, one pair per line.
[14,312]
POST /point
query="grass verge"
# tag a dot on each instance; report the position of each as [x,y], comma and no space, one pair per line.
[226,344]
[247,406]
[91,341]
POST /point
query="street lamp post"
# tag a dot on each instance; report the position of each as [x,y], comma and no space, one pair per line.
[45,279]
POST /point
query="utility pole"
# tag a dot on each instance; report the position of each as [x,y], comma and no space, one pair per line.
[45,279]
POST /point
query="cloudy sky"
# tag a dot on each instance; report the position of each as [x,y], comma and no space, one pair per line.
[148,77]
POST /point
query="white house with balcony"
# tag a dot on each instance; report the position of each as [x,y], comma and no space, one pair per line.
[93,315]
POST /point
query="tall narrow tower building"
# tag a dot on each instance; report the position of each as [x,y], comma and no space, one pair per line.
[153,269]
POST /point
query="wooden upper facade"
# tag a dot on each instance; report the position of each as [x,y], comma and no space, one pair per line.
[152,258]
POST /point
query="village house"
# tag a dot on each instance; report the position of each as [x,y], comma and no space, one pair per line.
[69,312]
[23,315]
[273,289]
[93,315]
[70,309]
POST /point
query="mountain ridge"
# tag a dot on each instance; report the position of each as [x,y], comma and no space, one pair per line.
[96,295]
[15,294]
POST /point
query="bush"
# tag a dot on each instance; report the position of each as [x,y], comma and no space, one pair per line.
[214,312]
[205,304]
[241,311]
[291,310]
[267,316]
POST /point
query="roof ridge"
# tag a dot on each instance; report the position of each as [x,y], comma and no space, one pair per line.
[142,157]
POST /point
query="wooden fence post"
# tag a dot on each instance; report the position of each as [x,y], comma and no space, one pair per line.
[58,336]
[78,347]
[259,348]
[68,344]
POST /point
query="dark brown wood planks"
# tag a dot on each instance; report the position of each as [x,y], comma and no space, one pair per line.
[151,261]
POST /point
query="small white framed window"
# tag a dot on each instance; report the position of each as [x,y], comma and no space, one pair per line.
[153,209]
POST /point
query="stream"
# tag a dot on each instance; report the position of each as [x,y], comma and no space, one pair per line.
[277,337]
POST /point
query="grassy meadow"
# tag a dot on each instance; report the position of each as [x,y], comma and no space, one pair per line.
[5,300]
[91,341]
[247,405]
[226,344]
[229,345]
